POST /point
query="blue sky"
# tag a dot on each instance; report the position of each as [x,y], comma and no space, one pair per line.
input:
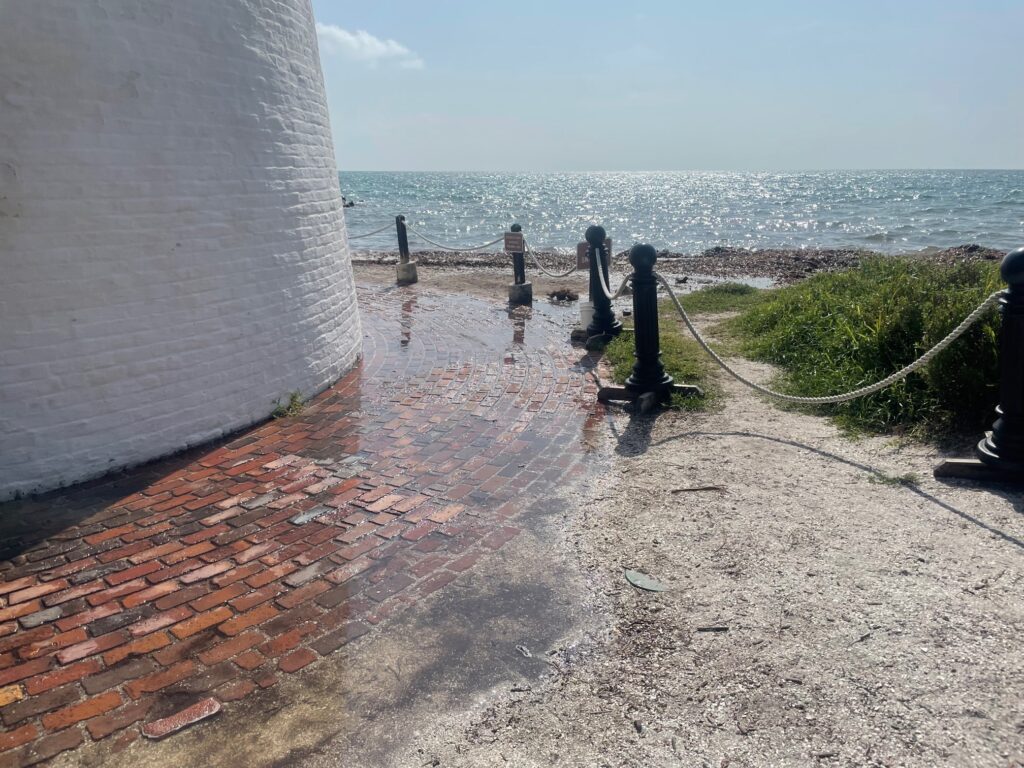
[565,85]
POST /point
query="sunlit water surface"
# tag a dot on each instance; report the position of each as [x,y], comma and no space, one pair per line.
[891,211]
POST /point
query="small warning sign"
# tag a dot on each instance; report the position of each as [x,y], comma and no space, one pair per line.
[583,260]
[514,242]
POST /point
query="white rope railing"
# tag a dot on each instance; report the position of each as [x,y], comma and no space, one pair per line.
[604,283]
[540,266]
[600,273]
[621,290]
[453,247]
[367,234]
[854,394]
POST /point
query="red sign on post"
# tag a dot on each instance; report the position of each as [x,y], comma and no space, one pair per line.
[514,242]
[582,260]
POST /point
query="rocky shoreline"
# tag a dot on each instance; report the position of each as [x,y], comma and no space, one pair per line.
[781,266]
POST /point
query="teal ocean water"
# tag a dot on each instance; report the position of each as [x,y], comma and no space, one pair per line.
[891,211]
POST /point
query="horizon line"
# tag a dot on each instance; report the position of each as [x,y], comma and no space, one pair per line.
[679,170]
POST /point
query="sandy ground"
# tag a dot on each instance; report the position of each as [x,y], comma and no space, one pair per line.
[817,612]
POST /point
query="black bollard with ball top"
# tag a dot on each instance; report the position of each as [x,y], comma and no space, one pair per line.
[1000,455]
[649,384]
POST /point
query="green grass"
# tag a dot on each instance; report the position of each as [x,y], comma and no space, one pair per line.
[293,407]
[908,479]
[838,331]
[684,360]
[721,297]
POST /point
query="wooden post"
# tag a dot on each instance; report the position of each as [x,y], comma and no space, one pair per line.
[520,291]
[403,239]
[406,269]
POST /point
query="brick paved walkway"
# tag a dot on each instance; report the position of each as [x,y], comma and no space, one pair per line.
[208,575]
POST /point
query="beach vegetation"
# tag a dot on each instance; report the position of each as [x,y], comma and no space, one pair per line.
[293,407]
[839,331]
[721,297]
[907,479]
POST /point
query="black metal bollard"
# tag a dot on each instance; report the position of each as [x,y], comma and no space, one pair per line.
[1003,447]
[649,383]
[648,372]
[604,322]
[1000,456]
[406,269]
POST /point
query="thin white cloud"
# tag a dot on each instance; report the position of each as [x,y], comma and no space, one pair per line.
[363,47]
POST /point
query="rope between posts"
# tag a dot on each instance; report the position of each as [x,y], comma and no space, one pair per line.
[541,266]
[620,291]
[452,247]
[604,284]
[854,394]
[367,234]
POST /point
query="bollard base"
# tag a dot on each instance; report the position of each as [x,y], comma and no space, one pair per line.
[647,401]
[407,273]
[520,293]
[974,469]
[989,466]
[590,342]
[609,330]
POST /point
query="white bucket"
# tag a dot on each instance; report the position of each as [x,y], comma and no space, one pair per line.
[586,313]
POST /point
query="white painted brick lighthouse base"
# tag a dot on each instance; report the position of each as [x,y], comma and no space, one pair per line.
[173,255]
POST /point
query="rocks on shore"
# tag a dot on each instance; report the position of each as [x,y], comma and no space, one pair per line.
[781,265]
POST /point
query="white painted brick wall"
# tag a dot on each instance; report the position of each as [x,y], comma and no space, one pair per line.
[173,255]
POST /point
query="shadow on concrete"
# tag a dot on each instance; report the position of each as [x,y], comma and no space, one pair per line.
[1016,499]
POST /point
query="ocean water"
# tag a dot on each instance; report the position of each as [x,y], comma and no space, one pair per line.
[890,211]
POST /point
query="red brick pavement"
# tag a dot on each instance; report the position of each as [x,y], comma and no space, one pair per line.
[208,575]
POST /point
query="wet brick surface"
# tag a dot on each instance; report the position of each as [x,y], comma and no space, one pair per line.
[208,575]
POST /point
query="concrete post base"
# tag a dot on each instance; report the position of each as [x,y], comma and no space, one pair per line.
[407,273]
[973,469]
[520,294]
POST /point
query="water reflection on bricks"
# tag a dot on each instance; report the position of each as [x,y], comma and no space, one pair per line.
[204,577]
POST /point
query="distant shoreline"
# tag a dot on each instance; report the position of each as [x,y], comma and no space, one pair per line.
[780,265]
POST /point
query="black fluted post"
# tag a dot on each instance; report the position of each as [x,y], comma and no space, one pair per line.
[604,322]
[1003,447]
[648,372]
[1000,456]
[649,384]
